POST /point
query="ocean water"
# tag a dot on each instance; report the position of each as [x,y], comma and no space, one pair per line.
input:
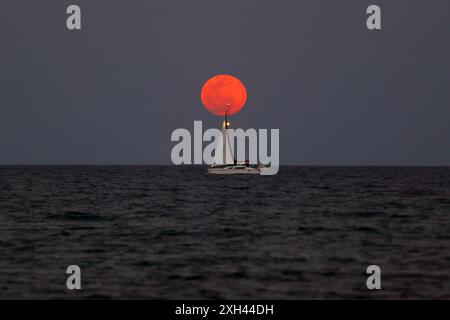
[166,232]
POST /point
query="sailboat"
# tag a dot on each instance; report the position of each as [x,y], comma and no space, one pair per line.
[224,161]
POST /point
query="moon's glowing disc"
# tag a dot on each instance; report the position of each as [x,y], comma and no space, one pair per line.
[222,90]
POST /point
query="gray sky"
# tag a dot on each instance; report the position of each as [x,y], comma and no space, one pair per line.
[113,92]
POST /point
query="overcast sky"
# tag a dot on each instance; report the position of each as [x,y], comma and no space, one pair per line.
[113,92]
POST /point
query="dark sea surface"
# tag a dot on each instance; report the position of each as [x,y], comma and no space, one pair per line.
[166,232]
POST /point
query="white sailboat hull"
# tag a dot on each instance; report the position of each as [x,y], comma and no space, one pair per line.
[233,169]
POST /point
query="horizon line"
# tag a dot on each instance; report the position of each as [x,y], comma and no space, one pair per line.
[191,165]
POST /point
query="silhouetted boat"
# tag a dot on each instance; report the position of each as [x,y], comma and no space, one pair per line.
[224,161]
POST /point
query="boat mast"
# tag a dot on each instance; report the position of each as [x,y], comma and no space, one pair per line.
[225,134]
[226,116]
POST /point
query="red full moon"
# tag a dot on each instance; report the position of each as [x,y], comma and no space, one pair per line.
[223,90]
